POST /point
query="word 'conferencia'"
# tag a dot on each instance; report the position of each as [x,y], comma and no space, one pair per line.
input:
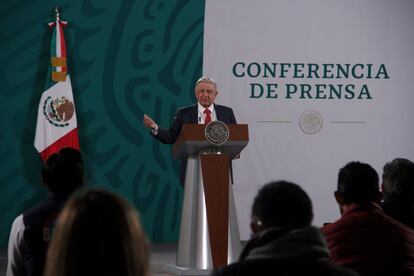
[324,81]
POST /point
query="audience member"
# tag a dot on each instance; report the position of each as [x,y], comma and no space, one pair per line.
[398,188]
[364,239]
[284,242]
[62,174]
[98,233]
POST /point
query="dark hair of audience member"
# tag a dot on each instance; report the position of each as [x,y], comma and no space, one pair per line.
[62,172]
[282,204]
[398,180]
[98,233]
[358,182]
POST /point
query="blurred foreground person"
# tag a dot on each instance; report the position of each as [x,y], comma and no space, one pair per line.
[283,242]
[364,239]
[398,188]
[62,174]
[98,233]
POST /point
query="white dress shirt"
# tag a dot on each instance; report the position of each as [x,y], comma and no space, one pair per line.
[202,115]
[15,263]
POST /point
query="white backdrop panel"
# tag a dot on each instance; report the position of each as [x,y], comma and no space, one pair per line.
[342,32]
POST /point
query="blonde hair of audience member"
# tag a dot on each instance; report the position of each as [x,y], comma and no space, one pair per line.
[98,233]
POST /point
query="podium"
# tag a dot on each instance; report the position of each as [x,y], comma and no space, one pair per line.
[209,235]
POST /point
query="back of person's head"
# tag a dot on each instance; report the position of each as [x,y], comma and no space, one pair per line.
[398,179]
[98,233]
[358,182]
[62,172]
[282,204]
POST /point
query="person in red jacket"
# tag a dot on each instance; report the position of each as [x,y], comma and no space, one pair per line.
[364,239]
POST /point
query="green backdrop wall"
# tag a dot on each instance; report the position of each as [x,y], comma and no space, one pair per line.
[125,58]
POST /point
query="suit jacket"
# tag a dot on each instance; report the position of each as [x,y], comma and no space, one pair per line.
[189,115]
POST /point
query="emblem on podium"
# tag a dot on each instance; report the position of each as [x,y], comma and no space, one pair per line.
[216,133]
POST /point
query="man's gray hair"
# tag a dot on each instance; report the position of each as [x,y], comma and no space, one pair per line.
[398,179]
[208,80]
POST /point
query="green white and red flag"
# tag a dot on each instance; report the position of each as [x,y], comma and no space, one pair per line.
[56,126]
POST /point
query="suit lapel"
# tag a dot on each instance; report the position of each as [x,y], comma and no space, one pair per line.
[218,113]
[194,114]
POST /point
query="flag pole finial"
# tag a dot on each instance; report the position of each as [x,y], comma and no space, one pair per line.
[57,13]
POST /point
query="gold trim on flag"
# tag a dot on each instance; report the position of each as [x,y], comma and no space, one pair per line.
[58,76]
[59,61]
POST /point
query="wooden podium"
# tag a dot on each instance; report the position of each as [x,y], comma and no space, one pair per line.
[209,235]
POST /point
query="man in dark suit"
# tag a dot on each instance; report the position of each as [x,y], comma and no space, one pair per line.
[203,112]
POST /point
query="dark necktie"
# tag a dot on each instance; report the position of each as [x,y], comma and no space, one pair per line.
[208,116]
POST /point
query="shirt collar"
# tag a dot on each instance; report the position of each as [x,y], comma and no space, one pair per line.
[361,206]
[202,108]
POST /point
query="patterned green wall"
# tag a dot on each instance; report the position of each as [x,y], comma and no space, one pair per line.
[125,58]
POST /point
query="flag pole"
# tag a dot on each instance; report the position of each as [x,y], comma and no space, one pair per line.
[57,13]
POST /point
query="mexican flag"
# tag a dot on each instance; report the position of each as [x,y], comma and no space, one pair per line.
[56,126]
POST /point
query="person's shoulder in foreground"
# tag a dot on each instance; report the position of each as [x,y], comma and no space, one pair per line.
[364,239]
[398,189]
[283,242]
[62,174]
[98,233]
